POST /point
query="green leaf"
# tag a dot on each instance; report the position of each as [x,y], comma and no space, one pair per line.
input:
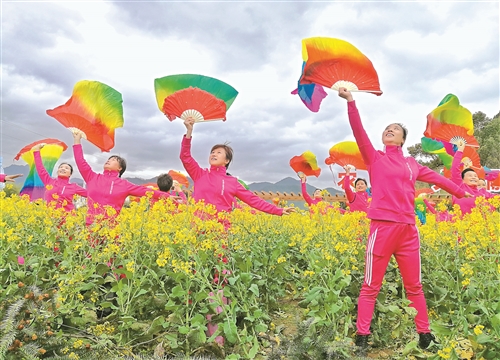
[141,292]
[178,292]
[255,348]
[495,323]
[183,330]
[254,288]
[230,331]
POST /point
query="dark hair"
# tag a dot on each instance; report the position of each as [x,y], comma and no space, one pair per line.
[228,149]
[71,167]
[405,130]
[360,179]
[121,161]
[165,182]
[317,190]
[466,171]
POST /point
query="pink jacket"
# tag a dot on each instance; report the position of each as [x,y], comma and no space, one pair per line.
[358,201]
[466,204]
[2,177]
[62,190]
[107,188]
[393,176]
[309,200]
[215,187]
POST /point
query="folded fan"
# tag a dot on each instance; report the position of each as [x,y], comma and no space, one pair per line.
[95,109]
[50,153]
[305,163]
[200,97]
[335,63]
[346,153]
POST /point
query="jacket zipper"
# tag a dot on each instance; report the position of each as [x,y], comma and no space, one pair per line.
[111,189]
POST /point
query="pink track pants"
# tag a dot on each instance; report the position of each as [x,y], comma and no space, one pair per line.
[387,239]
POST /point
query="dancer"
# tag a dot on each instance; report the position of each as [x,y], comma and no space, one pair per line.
[59,191]
[392,226]
[317,196]
[467,180]
[108,188]
[213,185]
[359,200]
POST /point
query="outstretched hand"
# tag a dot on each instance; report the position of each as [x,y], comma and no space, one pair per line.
[345,94]
[302,176]
[347,169]
[10,178]
[288,210]
[461,145]
[38,147]
[468,195]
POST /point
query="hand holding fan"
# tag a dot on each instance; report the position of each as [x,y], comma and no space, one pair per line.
[335,63]
[451,122]
[305,163]
[346,153]
[50,153]
[95,109]
[200,97]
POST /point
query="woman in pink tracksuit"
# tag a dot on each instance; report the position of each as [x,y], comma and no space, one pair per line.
[317,197]
[213,185]
[468,181]
[440,215]
[59,191]
[108,188]
[392,227]
[359,200]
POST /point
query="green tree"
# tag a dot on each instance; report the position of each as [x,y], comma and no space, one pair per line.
[432,161]
[489,140]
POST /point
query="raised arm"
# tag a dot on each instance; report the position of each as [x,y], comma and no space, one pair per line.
[305,195]
[80,191]
[9,178]
[84,168]
[427,175]
[42,172]
[194,170]
[456,175]
[347,185]
[365,145]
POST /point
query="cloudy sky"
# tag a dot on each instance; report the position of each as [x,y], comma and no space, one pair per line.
[421,51]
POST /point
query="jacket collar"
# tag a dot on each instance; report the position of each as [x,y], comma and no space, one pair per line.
[63,178]
[111,173]
[218,169]
[393,149]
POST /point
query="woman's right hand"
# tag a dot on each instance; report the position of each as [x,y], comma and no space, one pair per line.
[189,124]
[302,176]
[38,147]
[347,169]
[461,145]
[345,94]
[77,137]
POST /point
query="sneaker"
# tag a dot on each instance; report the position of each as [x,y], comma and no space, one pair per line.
[361,345]
[424,340]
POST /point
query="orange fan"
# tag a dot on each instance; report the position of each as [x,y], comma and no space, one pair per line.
[335,63]
[470,159]
[423,191]
[346,153]
[451,133]
[153,186]
[196,103]
[305,163]
[179,177]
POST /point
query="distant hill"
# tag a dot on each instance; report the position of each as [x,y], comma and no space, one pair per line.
[287,184]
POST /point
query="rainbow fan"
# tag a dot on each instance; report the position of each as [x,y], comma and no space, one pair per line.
[335,63]
[437,147]
[346,153]
[311,94]
[243,184]
[489,174]
[306,163]
[50,153]
[95,109]
[179,177]
[451,122]
[200,97]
